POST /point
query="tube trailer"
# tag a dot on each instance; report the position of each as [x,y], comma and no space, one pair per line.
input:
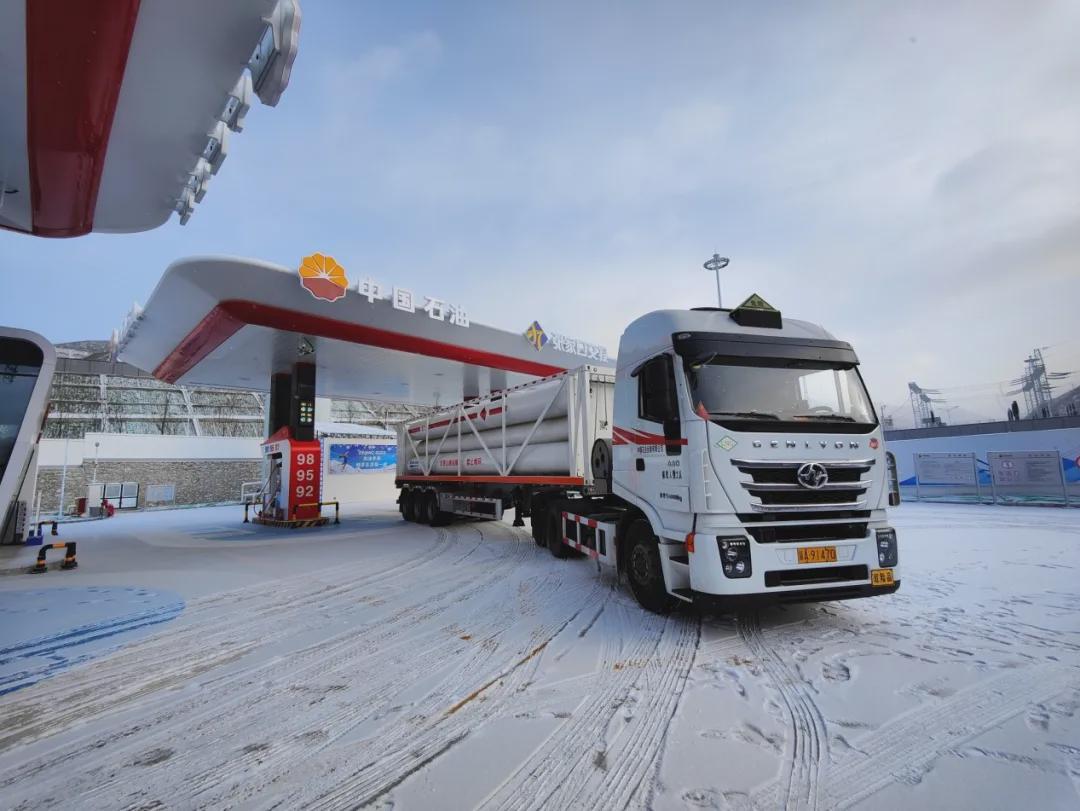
[733,456]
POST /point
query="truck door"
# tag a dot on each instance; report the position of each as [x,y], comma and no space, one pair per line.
[657,443]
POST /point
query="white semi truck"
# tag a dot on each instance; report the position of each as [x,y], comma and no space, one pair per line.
[734,456]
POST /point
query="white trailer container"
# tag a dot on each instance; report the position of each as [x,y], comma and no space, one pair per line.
[542,433]
[733,456]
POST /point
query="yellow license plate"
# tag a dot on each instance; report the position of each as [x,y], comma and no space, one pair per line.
[817,554]
[881,577]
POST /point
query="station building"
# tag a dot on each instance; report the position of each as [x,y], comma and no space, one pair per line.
[147,443]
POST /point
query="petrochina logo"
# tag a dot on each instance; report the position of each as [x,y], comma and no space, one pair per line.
[323,277]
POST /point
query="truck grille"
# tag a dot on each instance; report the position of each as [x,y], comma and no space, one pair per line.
[801,533]
[774,485]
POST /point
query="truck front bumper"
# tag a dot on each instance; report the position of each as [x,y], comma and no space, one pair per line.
[724,603]
[776,575]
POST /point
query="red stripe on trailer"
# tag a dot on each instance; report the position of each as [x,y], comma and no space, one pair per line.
[495,479]
[178,364]
[75,59]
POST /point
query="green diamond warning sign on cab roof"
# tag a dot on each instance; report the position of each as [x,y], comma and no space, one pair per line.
[757,312]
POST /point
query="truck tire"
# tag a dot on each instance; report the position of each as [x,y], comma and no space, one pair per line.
[554,533]
[644,569]
[428,509]
[538,521]
[409,501]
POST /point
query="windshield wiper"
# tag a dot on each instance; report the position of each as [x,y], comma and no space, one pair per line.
[828,417]
[750,415]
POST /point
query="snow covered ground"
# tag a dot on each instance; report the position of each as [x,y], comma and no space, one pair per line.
[392,665]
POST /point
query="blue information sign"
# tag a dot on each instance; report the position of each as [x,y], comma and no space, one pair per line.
[352,458]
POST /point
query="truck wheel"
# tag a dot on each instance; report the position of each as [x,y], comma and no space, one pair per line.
[554,533]
[643,567]
[428,513]
[437,516]
[409,511]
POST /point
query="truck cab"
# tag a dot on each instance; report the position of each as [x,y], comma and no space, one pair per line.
[750,445]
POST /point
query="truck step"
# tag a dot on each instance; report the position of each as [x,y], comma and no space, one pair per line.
[684,594]
[683,559]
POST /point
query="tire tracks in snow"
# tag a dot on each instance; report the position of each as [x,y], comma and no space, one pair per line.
[599,756]
[377,661]
[239,621]
[447,714]
[906,748]
[806,749]
[296,619]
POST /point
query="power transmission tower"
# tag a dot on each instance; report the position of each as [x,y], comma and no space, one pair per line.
[921,405]
[1036,386]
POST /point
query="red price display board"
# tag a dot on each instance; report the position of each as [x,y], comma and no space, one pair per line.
[304,463]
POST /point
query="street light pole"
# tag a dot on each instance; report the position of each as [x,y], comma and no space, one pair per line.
[716,264]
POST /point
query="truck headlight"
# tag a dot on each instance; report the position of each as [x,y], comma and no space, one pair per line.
[735,556]
[887,552]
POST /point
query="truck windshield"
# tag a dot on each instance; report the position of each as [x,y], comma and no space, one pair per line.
[766,393]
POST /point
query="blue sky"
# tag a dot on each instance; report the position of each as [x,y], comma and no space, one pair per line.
[906,176]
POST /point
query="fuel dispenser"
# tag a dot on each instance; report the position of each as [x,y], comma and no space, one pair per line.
[292,457]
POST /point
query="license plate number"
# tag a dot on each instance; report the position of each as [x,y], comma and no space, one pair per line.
[881,577]
[817,554]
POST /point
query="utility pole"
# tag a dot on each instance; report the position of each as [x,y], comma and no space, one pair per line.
[716,264]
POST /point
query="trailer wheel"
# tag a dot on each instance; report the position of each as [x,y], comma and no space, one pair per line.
[409,500]
[428,511]
[554,533]
[644,568]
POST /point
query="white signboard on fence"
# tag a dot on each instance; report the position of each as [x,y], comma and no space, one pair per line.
[945,468]
[1026,468]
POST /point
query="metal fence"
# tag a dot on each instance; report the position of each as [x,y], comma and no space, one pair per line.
[1005,477]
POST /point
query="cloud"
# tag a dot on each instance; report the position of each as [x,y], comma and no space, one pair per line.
[374,69]
[905,174]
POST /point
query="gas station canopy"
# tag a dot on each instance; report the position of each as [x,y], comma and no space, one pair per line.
[233,322]
[115,114]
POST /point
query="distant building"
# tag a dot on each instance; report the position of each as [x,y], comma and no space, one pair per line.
[147,443]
